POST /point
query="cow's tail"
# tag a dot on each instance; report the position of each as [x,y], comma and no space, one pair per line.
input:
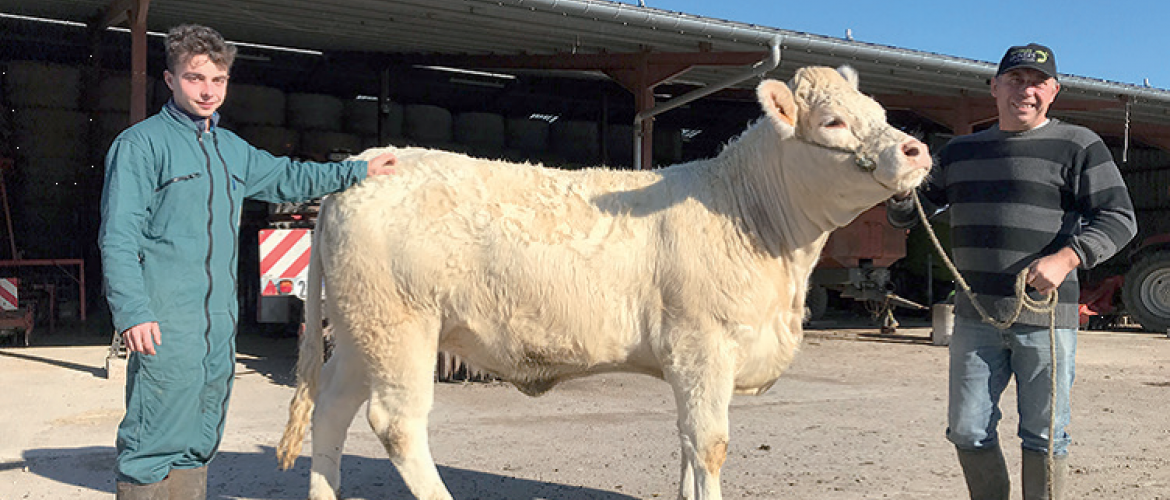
[310,359]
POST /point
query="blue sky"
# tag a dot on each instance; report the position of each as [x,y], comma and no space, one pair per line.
[1124,41]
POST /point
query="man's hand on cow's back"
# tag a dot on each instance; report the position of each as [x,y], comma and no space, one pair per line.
[382,165]
[142,337]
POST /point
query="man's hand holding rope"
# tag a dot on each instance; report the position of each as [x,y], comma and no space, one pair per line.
[1047,273]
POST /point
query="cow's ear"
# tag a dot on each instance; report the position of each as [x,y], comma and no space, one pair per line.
[778,102]
[850,75]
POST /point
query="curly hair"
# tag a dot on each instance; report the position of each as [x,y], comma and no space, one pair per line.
[190,40]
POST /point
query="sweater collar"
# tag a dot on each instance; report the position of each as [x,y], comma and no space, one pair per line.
[188,119]
[1021,133]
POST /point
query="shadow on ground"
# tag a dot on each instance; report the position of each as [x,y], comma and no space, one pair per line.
[255,476]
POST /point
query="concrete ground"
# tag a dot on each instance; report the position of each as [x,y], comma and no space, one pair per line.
[858,416]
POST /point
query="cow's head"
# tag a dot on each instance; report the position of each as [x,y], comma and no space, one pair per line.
[839,155]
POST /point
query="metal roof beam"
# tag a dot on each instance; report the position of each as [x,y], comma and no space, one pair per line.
[599,62]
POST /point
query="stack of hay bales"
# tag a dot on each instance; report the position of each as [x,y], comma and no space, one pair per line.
[1146,172]
[361,117]
[527,138]
[428,126]
[576,142]
[481,134]
[619,145]
[257,114]
[319,119]
[49,142]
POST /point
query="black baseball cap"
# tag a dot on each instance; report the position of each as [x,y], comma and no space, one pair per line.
[1033,55]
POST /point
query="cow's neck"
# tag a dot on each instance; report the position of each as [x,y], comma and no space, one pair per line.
[776,206]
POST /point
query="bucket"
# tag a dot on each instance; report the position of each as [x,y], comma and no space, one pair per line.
[942,323]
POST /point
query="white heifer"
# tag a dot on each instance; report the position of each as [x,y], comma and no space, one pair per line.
[695,274]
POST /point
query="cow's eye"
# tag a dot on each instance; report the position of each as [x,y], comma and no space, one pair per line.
[834,123]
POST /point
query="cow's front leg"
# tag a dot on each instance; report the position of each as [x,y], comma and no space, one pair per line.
[702,391]
[343,390]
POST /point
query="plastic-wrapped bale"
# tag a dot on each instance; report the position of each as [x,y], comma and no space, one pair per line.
[38,84]
[482,133]
[319,144]
[314,112]
[426,125]
[50,133]
[279,141]
[528,135]
[619,145]
[576,141]
[254,105]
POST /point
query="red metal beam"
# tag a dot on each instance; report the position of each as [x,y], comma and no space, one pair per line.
[132,12]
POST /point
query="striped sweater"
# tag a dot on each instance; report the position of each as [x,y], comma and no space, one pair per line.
[1014,197]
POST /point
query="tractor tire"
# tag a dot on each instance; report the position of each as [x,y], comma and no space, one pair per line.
[1147,292]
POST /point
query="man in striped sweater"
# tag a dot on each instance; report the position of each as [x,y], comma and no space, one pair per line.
[1036,195]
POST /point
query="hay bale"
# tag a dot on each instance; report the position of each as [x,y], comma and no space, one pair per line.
[253,105]
[279,141]
[360,117]
[37,84]
[527,135]
[319,144]
[50,133]
[619,145]
[426,124]
[668,146]
[114,93]
[315,112]
[482,133]
[575,140]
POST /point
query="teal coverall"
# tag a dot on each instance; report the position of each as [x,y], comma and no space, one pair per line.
[169,237]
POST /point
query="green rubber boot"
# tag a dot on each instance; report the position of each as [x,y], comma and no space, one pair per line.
[188,484]
[986,474]
[152,491]
[1035,475]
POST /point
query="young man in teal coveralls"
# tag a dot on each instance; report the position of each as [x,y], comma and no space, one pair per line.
[171,206]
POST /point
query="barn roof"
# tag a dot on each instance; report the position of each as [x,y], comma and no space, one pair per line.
[927,82]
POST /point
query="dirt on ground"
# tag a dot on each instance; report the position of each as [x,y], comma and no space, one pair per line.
[858,416]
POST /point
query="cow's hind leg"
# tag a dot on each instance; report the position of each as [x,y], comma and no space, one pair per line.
[702,391]
[343,390]
[401,395]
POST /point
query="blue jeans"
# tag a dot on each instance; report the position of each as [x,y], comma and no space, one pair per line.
[983,360]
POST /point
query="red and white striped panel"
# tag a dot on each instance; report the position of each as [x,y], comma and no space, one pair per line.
[284,255]
[8,294]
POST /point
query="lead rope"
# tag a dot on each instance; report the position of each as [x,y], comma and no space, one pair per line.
[1023,300]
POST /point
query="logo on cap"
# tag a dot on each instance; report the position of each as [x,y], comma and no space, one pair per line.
[1025,55]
